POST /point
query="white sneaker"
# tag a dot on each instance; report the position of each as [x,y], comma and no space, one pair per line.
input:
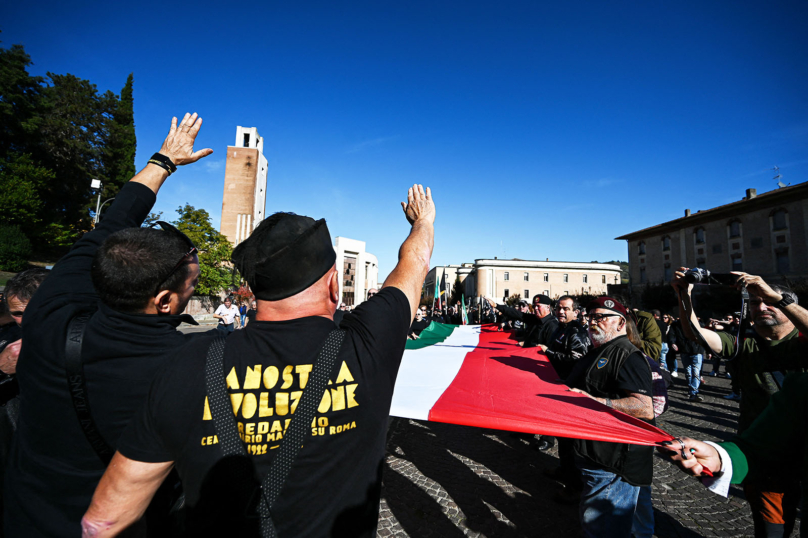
[674,374]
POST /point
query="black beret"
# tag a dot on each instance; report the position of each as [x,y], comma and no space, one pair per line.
[286,254]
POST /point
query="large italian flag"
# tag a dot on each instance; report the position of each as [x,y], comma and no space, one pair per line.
[476,376]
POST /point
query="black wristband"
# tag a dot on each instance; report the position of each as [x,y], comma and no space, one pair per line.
[163,162]
[784,302]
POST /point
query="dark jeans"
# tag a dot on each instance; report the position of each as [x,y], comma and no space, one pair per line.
[225,329]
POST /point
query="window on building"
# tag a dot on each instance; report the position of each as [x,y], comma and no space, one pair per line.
[566,292]
[737,263]
[781,257]
[566,277]
[527,294]
[546,292]
[641,247]
[603,279]
[780,239]
[699,233]
[668,272]
[527,277]
[246,140]
[779,219]
[642,275]
[507,293]
[616,280]
[547,277]
[586,279]
[666,243]
[507,275]
[735,228]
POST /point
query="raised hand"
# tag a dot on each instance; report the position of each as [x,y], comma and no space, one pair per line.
[419,205]
[179,144]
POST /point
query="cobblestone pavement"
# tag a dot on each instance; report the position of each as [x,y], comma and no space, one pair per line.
[445,480]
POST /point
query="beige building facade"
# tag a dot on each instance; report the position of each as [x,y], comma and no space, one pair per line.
[500,279]
[763,234]
[358,270]
[245,185]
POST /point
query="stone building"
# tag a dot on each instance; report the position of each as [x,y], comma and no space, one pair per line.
[499,279]
[358,270]
[763,234]
[245,185]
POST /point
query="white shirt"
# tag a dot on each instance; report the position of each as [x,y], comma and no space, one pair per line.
[229,314]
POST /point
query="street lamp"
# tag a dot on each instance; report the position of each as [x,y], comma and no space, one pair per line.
[96,184]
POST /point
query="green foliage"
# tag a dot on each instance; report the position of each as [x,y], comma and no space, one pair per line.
[70,133]
[151,219]
[214,251]
[15,248]
[21,181]
[120,150]
[457,291]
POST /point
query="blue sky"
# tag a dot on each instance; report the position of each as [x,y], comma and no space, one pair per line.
[544,129]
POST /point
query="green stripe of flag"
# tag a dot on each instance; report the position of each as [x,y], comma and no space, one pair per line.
[435,333]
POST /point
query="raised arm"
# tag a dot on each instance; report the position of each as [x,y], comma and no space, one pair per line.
[757,286]
[122,496]
[71,275]
[415,252]
[683,290]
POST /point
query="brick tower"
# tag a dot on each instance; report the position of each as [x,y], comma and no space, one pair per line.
[245,186]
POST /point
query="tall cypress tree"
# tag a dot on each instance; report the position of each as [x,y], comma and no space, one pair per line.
[120,165]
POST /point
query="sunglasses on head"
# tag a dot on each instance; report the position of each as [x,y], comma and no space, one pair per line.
[166,227]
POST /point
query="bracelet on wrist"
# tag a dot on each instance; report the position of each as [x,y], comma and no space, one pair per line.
[163,162]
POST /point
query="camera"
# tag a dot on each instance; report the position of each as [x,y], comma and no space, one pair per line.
[697,275]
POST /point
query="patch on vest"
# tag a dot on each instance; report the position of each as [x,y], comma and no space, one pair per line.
[602,362]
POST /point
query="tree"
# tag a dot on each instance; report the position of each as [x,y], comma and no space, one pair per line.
[21,181]
[216,273]
[122,144]
[149,221]
[20,98]
[457,291]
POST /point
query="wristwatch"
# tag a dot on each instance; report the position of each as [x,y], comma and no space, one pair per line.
[784,302]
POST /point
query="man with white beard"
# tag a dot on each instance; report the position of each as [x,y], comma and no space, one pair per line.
[614,373]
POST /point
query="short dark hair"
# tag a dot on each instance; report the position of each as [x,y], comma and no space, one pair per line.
[133,262]
[575,305]
[24,284]
[785,291]
[656,312]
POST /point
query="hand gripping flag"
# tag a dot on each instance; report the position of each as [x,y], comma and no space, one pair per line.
[477,376]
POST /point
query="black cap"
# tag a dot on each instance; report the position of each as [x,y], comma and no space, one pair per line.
[543,299]
[286,254]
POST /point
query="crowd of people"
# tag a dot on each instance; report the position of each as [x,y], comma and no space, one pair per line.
[113,420]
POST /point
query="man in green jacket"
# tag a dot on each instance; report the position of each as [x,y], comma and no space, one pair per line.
[777,349]
[775,440]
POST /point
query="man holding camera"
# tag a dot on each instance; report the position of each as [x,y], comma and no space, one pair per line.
[776,349]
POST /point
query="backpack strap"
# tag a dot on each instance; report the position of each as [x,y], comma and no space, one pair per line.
[225,421]
[74,369]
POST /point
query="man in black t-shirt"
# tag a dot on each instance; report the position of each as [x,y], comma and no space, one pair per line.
[334,485]
[136,282]
[614,373]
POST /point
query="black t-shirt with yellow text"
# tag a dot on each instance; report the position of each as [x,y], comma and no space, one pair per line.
[335,483]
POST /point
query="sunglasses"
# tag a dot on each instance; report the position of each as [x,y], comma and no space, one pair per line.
[597,318]
[166,227]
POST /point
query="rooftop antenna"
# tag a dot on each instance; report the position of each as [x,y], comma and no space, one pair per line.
[778,177]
